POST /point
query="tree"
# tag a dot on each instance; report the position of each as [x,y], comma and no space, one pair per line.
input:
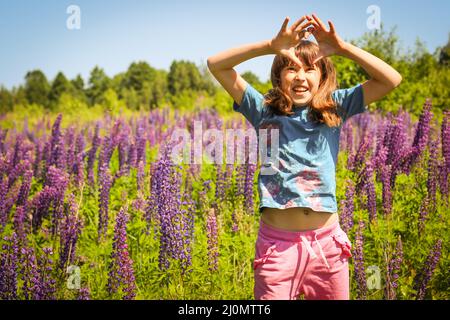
[59,86]
[78,88]
[99,82]
[444,56]
[184,75]
[37,87]
[143,86]
[6,100]
[251,78]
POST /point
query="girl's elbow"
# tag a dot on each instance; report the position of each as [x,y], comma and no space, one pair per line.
[398,80]
[210,63]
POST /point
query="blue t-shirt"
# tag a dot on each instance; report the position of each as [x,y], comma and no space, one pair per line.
[305,175]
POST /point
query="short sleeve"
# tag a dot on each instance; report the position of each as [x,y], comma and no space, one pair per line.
[350,101]
[252,106]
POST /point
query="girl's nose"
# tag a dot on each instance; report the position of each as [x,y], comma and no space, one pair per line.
[300,74]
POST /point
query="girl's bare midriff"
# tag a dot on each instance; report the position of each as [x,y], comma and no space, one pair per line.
[297,219]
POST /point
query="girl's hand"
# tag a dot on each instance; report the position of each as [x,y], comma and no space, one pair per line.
[329,41]
[287,38]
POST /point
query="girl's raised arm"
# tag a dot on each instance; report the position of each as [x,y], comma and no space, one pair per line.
[222,64]
[383,78]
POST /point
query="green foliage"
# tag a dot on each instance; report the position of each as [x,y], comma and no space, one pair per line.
[37,87]
[99,82]
[59,86]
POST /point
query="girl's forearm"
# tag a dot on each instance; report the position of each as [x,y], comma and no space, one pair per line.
[375,67]
[232,57]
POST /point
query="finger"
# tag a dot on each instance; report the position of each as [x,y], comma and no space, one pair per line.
[321,24]
[318,58]
[332,28]
[304,25]
[296,24]
[291,56]
[285,23]
[296,60]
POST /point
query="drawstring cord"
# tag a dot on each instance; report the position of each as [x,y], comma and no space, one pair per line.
[311,251]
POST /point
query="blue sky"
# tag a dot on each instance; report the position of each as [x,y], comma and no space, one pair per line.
[115,33]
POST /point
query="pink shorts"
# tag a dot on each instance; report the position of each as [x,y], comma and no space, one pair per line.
[310,263]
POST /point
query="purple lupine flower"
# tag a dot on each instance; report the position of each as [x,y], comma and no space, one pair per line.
[140,143]
[58,180]
[365,185]
[106,152]
[20,228]
[203,195]
[139,204]
[443,182]
[8,268]
[69,141]
[395,141]
[78,165]
[212,233]
[385,176]
[47,282]
[348,207]
[420,138]
[25,188]
[105,188]
[3,134]
[140,176]
[355,161]
[84,294]
[423,213]
[432,173]
[38,158]
[394,267]
[41,204]
[124,146]
[121,273]
[229,177]
[164,205]
[57,151]
[3,202]
[445,139]
[346,138]
[220,183]
[371,195]
[426,273]
[92,154]
[70,231]
[31,286]
[360,273]
[132,155]
[248,187]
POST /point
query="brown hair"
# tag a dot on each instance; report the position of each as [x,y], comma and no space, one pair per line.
[322,107]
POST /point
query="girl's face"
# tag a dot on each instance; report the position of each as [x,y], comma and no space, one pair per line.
[300,83]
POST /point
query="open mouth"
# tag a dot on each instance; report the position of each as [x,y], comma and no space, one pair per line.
[299,90]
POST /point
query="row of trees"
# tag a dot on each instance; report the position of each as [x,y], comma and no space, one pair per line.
[144,87]
[141,86]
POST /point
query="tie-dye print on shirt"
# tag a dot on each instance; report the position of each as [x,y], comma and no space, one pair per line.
[306,172]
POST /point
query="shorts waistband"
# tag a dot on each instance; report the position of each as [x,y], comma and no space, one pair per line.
[286,235]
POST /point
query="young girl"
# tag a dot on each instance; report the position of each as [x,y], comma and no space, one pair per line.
[301,249]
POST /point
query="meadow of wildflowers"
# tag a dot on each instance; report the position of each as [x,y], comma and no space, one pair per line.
[106,198]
